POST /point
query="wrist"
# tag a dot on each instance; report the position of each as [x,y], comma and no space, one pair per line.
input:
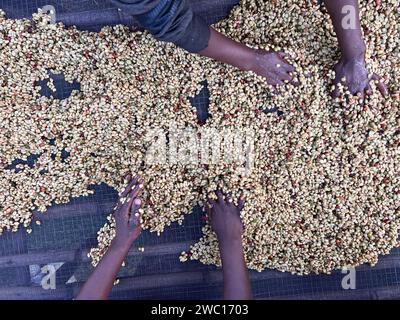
[229,243]
[231,251]
[356,52]
[121,244]
[248,60]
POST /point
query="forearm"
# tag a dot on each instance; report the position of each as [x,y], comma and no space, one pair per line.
[237,284]
[347,27]
[228,51]
[100,282]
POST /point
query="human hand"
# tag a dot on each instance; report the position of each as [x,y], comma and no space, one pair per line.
[224,217]
[272,66]
[126,214]
[355,76]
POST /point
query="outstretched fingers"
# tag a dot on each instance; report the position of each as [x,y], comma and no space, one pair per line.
[241,203]
[131,182]
[284,67]
[284,76]
[361,97]
[336,92]
[381,85]
[275,82]
[368,90]
[209,211]
[220,196]
[209,207]
[128,196]
[229,199]
[282,54]
[137,188]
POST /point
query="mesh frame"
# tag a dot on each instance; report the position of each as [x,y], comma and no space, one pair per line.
[69,230]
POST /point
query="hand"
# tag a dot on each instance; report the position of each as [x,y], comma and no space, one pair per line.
[268,64]
[356,78]
[224,217]
[272,66]
[126,214]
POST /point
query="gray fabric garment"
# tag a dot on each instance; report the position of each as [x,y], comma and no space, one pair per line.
[169,20]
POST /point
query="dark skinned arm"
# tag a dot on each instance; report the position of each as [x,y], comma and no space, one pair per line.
[237,284]
[225,221]
[100,282]
[269,64]
[174,21]
[351,65]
